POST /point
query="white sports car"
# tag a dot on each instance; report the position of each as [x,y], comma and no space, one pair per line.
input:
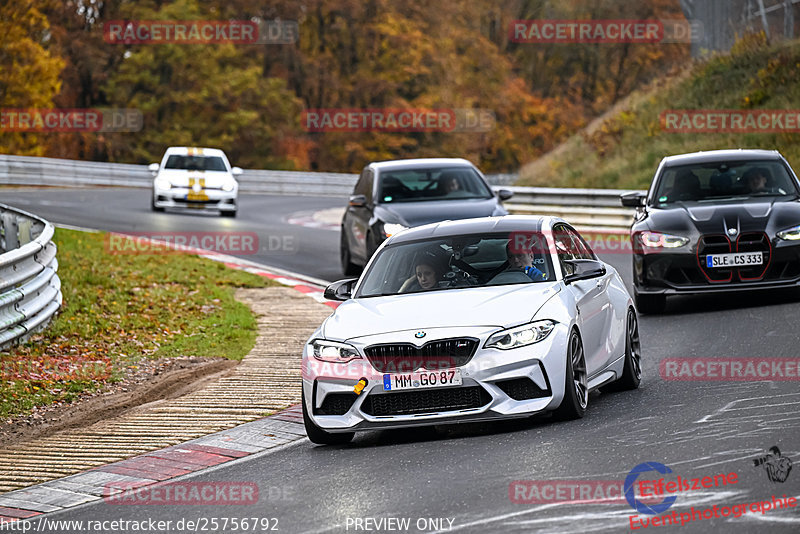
[471,320]
[195,178]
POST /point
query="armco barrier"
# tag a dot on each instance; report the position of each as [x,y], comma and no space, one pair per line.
[30,291]
[596,208]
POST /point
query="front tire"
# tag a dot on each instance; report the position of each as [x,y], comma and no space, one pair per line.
[154,207]
[322,437]
[651,304]
[348,267]
[632,370]
[231,214]
[576,388]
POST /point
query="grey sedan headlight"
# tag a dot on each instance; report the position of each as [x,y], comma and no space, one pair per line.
[333,351]
[519,336]
[393,228]
[790,234]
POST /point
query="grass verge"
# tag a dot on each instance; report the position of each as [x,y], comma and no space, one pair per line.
[120,310]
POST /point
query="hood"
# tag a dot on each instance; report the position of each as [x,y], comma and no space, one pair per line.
[500,306]
[180,177]
[756,215]
[419,213]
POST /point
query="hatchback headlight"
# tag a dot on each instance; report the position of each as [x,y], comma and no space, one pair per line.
[391,228]
[519,336]
[228,186]
[659,240]
[333,351]
[790,234]
[161,183]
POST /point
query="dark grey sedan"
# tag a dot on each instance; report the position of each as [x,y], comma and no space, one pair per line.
[391,196]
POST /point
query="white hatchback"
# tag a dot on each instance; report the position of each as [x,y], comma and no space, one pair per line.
[470,320]
[195,178]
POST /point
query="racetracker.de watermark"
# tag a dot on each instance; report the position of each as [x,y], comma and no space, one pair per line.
[730,369]
[181,493]
[569,491]
[571,31]
[730,120]
[240,32]
[461,120]
[183,242]
[70,120]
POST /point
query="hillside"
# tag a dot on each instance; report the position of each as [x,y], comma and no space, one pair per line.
[623,149]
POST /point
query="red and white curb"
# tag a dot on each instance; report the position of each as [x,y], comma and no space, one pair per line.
[153,467]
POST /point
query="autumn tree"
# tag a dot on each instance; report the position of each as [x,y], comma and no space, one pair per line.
[29,72]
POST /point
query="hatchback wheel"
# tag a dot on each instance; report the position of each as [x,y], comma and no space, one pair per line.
[632,370]
[576,389]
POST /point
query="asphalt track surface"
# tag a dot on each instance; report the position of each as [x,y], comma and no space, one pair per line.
[463,473]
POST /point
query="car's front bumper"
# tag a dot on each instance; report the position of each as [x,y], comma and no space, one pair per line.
[677,273]
[179,197]
[490,382]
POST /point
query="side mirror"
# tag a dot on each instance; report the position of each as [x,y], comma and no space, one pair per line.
[357,201]
[504,194]
[634,199]
[236,171]
[153,168]
[583,270]
[340,290]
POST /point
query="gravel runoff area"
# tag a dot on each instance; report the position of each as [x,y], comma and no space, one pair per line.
[265,381]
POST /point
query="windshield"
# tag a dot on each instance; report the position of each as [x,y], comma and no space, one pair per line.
[718,181]
[415,185]
[457,262]
[196,163]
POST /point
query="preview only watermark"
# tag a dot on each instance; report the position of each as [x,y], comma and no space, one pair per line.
[730,121]
[397,120]
[70,120]
[607,31]
[240,32]
[730,369]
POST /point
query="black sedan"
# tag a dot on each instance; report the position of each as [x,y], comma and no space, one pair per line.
[715,221]
[391,196]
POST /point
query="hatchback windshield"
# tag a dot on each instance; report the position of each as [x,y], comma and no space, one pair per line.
[443,183]
[718,181]
[196,163]
[457,262]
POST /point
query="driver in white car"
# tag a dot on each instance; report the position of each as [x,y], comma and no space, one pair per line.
[521,259]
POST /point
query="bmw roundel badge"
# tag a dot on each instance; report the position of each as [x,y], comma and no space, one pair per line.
[732,231]
[419,335]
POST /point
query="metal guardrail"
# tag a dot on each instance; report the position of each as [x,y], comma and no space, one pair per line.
[596,208]
[30,290]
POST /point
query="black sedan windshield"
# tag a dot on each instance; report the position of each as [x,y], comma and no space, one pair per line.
[414,185]
[458,262]
[709,182]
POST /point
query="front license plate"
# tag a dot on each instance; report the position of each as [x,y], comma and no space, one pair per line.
[425,379]
[734,259]
[200,196]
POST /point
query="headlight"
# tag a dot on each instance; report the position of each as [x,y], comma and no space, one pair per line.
[333,351]
[519,336]
[391,228]
[659,240]
[228,186]
[163,184]
[790,234]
